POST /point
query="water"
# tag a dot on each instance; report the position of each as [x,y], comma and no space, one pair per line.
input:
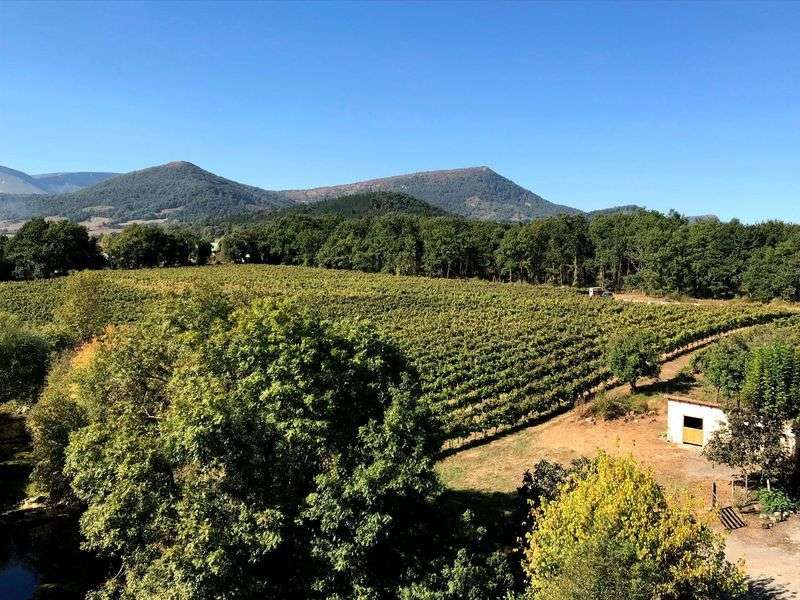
[17,582]
[38,558]
[44,560]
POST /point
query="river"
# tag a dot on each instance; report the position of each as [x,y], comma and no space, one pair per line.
[40,555]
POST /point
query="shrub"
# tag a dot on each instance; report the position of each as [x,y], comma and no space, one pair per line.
[84,309]
[613,530]
[774,500]
[24,357]
[610,407]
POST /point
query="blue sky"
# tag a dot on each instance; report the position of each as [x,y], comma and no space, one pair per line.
[689,106]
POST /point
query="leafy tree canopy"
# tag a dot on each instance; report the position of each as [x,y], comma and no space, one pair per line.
[24,357]
[242,453]
[612,534]
[633,355]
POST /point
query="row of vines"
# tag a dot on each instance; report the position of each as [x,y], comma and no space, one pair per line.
[490,356]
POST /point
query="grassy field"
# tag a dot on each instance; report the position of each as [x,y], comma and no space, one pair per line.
[491,355]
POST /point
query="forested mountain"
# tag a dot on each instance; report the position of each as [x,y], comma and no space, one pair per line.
[184,193]
[477,193]
[17,182]
[367,204]
[177,191]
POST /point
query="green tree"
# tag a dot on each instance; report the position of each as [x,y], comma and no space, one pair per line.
[754,436]
[43,249]
[84,307]
[632,356]
[249,453]
[240,246]
[724,364]
[347,247]
[5,265]
[772,381]
[612,534]
[441,245]
[136,246]
[395,245]
[24,357]
[773,272]
[520,252]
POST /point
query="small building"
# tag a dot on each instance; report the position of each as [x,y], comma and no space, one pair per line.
[596,292]
[691,421]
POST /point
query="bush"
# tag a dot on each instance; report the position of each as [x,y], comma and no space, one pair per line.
[612,530]
[610,407]
[24,357]
[634,355]
[774,500]
[84,310]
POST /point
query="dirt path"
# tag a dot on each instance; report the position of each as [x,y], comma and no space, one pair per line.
[772,557]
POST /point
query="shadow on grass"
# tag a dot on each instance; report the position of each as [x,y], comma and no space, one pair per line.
[682,383]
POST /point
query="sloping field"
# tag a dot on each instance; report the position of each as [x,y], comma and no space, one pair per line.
[491,355]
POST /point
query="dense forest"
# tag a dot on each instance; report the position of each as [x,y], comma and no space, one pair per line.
[394,233]
[643,250]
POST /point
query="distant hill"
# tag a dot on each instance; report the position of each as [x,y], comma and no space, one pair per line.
[17,182]
[477,193]
[183,192]
[62,183]
[625,208]
[177,191]
[367,204]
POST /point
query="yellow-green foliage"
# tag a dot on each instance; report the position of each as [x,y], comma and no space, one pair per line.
[490,355]
[660,550]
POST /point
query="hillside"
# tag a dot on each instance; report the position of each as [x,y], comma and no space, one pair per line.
[367,204]
[177,191]
[476,192]
[17,182]
[183,192]
[62,183]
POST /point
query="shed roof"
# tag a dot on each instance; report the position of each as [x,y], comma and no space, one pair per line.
[688,400]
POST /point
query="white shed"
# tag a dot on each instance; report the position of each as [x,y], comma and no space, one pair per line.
[691,421]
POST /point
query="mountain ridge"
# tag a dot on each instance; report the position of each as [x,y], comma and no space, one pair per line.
[474,192]
[183,192]
[13,181]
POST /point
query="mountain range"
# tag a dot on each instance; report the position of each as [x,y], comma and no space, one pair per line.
[183,192]
[17,182]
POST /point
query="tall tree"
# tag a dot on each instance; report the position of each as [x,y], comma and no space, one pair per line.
[256,453]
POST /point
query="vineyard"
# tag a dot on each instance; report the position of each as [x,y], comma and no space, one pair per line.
[491,356]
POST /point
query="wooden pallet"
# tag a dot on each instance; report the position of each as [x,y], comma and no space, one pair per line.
[730,518]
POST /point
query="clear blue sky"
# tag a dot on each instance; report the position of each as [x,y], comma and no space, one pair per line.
[689,106]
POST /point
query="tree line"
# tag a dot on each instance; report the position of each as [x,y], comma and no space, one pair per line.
[43,249]
[643,250]
[647,250]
